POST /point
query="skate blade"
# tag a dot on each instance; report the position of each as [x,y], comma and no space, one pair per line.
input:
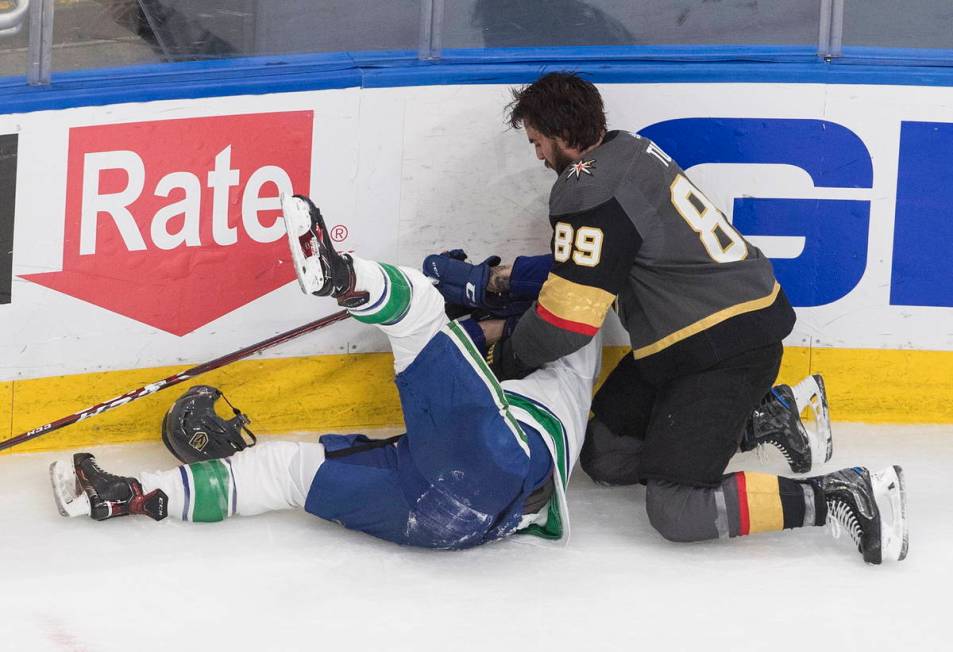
[818,425]
[297,218]
[891,497]
[71,500]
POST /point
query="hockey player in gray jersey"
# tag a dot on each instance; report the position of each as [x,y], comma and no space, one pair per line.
[705,317]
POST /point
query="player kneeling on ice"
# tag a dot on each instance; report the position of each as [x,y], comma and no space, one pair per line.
[869,506]
[706,318]
[479,460]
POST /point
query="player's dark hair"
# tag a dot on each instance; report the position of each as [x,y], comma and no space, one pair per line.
[560,104]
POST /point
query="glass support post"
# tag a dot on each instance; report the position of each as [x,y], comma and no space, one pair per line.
[430,42]
[830,38]
[40,42]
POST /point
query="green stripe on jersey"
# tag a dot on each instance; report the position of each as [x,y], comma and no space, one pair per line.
[553,427]
[396,303]
[554,524]
[210,498]
[555,430]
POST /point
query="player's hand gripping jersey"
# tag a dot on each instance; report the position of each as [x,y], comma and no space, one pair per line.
[628,225]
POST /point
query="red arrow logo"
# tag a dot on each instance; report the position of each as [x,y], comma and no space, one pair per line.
[175,223]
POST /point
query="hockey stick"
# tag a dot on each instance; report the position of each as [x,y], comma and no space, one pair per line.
[175,379]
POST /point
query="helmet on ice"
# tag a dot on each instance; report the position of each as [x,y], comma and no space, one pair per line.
[193,432]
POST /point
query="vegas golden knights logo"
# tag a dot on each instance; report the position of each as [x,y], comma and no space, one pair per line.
[8,189]
[199,441]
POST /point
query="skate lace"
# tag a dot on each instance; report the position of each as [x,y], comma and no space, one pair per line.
[840,517]
[103,474]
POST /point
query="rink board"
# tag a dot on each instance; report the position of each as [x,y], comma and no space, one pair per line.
[145,236]
[341,392]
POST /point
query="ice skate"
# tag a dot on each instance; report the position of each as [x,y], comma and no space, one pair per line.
[777,422]
[320,269]
[86,490]
[871,508]
[810,395]
[70,498]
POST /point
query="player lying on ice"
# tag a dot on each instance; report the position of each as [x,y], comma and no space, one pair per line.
[479,461]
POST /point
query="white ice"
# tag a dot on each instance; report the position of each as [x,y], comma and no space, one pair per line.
[288,581]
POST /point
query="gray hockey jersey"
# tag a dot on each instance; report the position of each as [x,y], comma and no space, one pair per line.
[630,228]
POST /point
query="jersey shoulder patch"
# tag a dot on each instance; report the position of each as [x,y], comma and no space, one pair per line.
[580,187]
[595,178]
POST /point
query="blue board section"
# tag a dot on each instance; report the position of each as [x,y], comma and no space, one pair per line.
[834,256]
[834,232]
[922,272]
[609,64]
[832,154]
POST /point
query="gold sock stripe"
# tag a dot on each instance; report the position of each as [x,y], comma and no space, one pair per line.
[764,503]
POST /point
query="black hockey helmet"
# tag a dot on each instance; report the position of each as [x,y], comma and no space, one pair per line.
[193,432]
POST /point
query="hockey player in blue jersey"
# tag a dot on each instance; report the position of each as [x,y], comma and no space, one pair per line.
[480,459]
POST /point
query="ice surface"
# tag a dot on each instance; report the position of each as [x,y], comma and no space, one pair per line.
[288,581]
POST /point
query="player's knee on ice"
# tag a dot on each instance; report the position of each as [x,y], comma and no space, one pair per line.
[609,458]
[681,513]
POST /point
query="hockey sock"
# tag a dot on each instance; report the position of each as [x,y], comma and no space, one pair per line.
[201,492]
[271,476]
[760,502]
[389,290]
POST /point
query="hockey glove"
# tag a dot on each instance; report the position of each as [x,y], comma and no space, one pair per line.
[462,283]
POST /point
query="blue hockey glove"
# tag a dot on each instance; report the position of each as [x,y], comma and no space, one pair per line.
[462,283]
[528,275]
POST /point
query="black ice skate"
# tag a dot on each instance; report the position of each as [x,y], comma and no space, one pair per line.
[320,269]
[85,489]
[777,422]
[871,508]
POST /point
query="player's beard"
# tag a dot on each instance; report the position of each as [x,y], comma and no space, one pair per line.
[561,161]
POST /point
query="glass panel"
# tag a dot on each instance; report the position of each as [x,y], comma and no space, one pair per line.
[892,24]
[14,28]
[505,23]
[100,33]
[97,34]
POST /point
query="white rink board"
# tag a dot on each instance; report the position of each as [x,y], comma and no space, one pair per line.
[415,170]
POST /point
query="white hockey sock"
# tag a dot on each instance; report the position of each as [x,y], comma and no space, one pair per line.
[370,277]
[170,483]
[202,491]
[270,476]
[389,292]
[403,303]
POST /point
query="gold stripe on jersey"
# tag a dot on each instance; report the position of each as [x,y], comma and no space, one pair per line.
[707,322]
[574,302]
